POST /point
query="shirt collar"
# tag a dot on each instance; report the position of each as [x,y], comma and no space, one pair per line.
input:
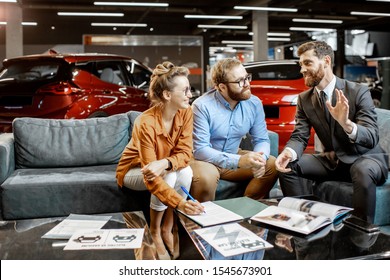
[329,88]
[221,99]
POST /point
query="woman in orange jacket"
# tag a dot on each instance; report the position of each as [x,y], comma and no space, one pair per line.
[159,152]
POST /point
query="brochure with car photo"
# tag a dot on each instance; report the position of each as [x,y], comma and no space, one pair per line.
[301,215]
[232,239]
[105,239]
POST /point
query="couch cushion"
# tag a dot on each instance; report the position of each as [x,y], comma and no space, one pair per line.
[51,192]
[63,143]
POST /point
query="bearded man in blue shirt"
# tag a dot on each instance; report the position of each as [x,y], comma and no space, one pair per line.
[222,117]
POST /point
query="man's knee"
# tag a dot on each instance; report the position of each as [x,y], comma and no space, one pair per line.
[204,181]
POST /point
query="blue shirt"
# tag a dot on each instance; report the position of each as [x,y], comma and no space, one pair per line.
[218,130]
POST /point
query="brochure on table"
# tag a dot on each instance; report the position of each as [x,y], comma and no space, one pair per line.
[104,239]
[232,239]
[227,210]
[74,222]
[214,215]
[301,215]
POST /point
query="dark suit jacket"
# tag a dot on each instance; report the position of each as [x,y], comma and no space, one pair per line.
[334,139]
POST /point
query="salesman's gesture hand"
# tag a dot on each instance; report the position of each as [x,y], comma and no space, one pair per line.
[282,160]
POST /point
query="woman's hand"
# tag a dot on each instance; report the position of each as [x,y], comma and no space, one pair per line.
[154,169]
[191,207]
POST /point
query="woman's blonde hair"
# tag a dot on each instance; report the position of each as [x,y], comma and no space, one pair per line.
[162,79]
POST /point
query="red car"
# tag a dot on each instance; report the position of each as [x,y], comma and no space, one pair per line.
[277,83]
[71,86]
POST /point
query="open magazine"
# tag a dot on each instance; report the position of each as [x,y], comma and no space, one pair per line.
[301,215]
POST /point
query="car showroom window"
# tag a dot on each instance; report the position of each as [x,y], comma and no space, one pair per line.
[111,72]
[139,75]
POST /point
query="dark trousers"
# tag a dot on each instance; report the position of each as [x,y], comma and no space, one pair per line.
[365,174]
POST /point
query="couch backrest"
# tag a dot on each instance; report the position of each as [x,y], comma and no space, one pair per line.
[384,129]
[65,143]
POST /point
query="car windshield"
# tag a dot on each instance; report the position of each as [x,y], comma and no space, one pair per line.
[275,72]
[30,71]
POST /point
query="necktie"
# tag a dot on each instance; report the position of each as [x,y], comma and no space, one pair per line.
[323,99]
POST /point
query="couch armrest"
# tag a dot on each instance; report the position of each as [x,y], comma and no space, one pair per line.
[7,156]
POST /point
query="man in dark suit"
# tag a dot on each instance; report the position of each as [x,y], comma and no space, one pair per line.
[346,124]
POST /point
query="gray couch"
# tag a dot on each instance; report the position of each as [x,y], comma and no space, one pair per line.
[340,193]
[52,168]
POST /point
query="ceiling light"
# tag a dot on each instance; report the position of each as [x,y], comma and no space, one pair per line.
[82,14]
[132,4]
[379,0]
[317,20]
[312,29]
[239,46]
[270,9]
[8,1]
[236,42]
[24,23]
[113,24]
[29,23]
[222,26]
[369,14]
[283,34]
[212,17]
[276,39]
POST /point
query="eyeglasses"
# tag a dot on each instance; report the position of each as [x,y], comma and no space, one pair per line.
[241,82]
[185,91]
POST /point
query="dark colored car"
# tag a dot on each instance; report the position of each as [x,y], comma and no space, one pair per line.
[277,83]
[71,86]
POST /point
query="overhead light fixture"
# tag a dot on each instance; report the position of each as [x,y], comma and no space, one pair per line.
[7,1]
[317,20]
[82,14]
[29,23]
[236,42]
[212,17]
[222,26]
[379,0]
[276,39]
[239,46]
[24,23]
[370,14]
[113,24]
[327,30]
[132,4]
[283,34]
[269,9]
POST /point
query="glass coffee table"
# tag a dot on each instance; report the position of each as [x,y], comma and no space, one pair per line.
[332,242]
[21,240]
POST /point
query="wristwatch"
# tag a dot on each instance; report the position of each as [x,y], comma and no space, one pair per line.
[169,165]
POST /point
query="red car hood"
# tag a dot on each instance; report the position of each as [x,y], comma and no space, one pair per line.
[276,94]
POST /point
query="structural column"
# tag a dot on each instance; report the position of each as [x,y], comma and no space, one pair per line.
[260,30]
[13,31]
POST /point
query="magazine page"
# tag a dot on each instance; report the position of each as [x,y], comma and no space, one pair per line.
[232,239]
[291,219]
[314,207]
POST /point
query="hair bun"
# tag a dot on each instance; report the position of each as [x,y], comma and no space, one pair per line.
[163,68]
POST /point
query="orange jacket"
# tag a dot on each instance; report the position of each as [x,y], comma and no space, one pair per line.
[150,142]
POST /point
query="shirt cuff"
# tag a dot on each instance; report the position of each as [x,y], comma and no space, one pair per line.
[294,154]
[352,135]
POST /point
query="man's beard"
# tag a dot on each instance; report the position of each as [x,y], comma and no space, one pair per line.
[244,94]
[312,78]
